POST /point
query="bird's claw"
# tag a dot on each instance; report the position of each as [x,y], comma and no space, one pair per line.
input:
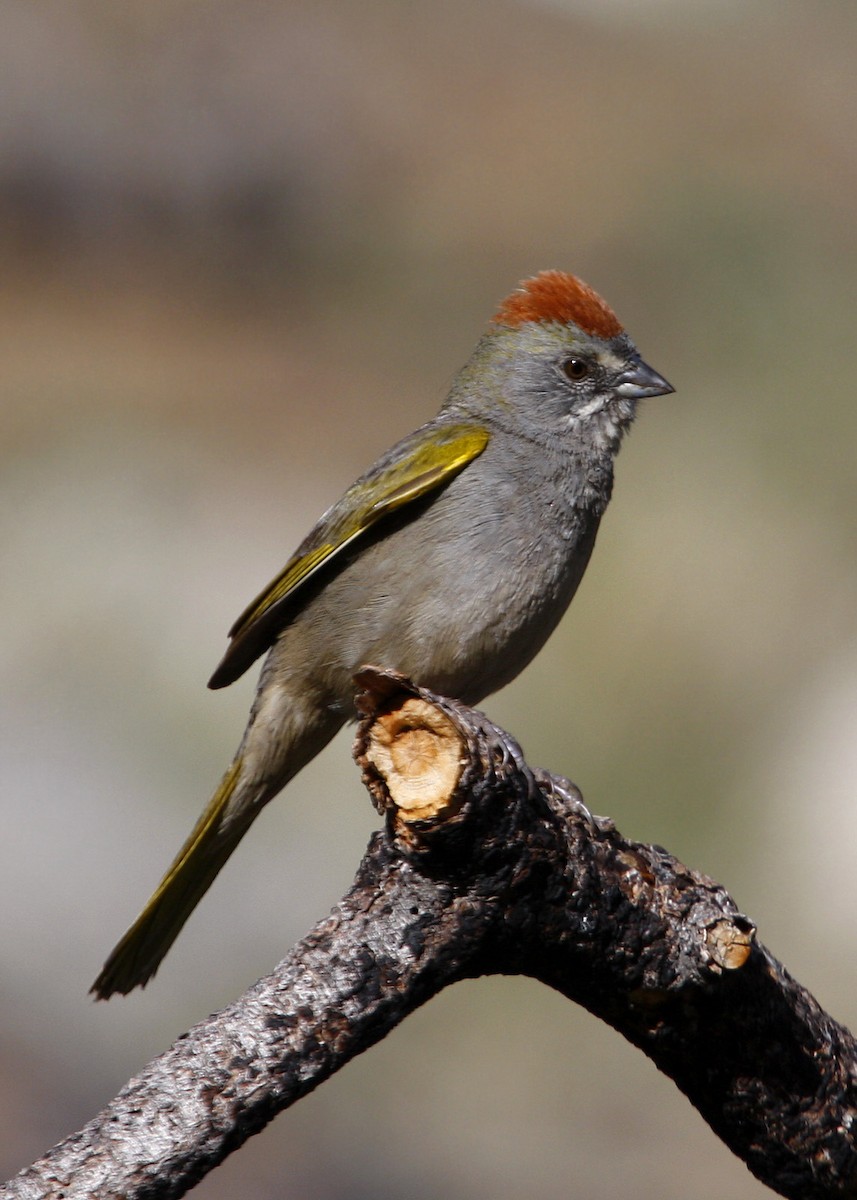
[510,753]
[571,798]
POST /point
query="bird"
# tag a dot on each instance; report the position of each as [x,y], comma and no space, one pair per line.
[451,560]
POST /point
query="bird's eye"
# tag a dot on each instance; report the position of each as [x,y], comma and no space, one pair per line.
[575,369]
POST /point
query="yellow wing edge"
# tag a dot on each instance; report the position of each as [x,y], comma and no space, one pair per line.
[426,467]
[468,444]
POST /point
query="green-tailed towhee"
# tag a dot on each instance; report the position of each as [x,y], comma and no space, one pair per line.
[451,560]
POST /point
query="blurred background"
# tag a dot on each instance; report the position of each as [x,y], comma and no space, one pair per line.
[244,248]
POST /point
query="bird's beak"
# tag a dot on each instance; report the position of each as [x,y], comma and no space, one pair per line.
[640,381]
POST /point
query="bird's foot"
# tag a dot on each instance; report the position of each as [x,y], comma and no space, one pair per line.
[570,799]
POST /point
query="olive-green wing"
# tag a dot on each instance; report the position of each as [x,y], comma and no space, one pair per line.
[420,464]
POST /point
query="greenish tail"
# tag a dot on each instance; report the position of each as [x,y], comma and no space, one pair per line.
[137,956]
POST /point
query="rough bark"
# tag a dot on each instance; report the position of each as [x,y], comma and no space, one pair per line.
[485,867]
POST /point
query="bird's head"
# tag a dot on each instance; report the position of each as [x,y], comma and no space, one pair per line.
[556,357]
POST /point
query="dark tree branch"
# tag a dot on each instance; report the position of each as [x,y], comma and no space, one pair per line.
[483,868]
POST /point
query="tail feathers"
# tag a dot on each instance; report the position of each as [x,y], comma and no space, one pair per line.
[138,955]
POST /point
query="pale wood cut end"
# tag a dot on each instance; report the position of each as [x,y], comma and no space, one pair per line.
[417,751]
[729,945]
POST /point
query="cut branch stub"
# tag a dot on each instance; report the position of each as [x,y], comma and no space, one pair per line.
[441,773]
[729,943]
[416,751]
[411,754]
